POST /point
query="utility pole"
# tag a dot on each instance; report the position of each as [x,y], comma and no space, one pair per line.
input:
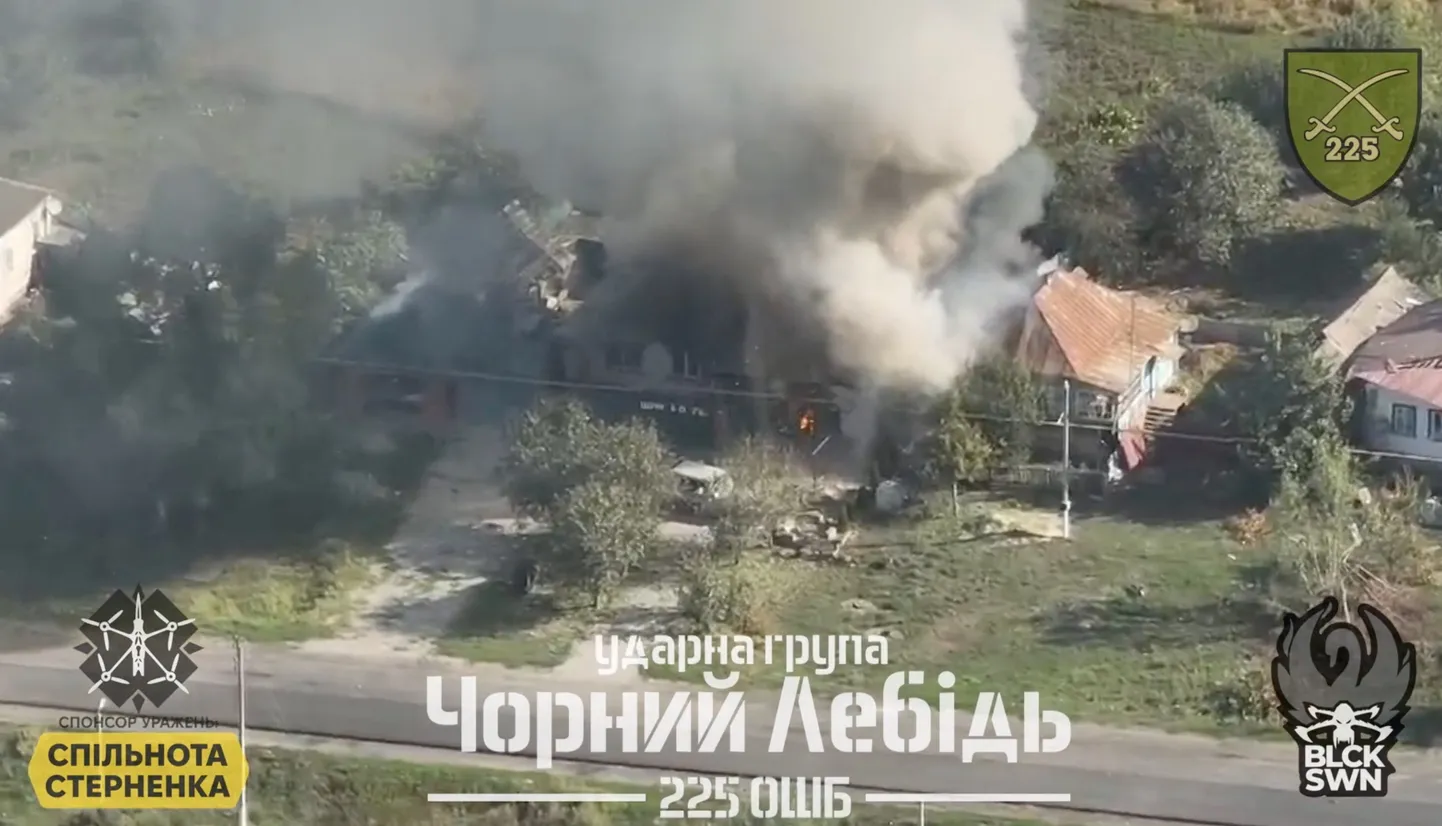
[242,812]
[1066,460]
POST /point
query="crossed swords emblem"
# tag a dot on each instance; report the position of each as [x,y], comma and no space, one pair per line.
[1354,93]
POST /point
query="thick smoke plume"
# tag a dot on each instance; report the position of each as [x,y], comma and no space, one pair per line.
[854,174]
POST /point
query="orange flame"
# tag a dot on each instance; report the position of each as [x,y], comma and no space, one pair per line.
[807,422]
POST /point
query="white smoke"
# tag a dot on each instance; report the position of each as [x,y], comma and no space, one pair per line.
[820,159]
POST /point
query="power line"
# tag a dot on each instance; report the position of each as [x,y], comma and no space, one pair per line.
[563,384]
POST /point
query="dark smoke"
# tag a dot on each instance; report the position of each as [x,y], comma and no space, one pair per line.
[854,182]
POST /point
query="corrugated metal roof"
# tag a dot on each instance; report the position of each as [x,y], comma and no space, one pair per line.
[1106,335]
[1405,356]
[1376,305]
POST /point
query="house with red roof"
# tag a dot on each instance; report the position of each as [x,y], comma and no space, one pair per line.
[1119,351]
[1397,378]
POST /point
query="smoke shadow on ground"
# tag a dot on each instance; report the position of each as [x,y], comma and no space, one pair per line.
[34,578]
[1131,622]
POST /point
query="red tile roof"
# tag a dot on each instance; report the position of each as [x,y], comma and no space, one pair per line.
[1105,334]
[1405,356]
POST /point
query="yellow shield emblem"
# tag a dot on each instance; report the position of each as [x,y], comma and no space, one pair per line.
[1352,116]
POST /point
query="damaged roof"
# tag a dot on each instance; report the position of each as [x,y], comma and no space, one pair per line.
[1405,356]
[1106,335]
[1376,304]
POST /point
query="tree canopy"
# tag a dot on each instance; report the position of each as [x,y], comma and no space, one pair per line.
[1205,176]
[166,369]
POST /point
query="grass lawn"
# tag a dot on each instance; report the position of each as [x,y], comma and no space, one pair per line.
[1132,621]
[291,788]
[494,626]
[101,140]
[1099,53]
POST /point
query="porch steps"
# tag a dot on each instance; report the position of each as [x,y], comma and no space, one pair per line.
[1162,412]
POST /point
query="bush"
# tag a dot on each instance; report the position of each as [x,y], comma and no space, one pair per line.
[1421,180]
[1414,247]
[1249,527]
[1258,88]
[1246,696]
[766,486]
[739,598]
[1205,177]
[1375,28]
[1398,551]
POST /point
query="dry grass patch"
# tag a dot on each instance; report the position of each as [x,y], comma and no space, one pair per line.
[1297,16]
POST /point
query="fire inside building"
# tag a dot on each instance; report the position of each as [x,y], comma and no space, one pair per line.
[554,315]
[549,324]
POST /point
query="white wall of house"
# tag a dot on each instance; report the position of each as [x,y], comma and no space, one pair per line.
[1151,381]
[1398,423]
[17,254]
[1094,405]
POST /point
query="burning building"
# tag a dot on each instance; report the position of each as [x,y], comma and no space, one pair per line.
[793,198]
[797,203]
[681,356]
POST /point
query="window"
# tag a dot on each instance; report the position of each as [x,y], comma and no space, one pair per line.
[1404,420]
[1434,425]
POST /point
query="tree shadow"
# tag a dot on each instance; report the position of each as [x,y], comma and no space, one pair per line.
[1174,501]
[1320,263]
[493,608]
[125,550]
[1181,499]
[1133,623]
[1422,727]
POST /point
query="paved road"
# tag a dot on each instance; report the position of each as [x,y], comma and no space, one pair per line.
[1135,774]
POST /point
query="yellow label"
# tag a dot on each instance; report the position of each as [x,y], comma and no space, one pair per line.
[100,770]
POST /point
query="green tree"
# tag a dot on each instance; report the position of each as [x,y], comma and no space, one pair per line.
[178,355]
[1090,215]
[765,487]
[1006,401]
[739,598]
[1294,404]
[558,446]
[363,254]
[1205,177]
[601,531]
[958,451]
